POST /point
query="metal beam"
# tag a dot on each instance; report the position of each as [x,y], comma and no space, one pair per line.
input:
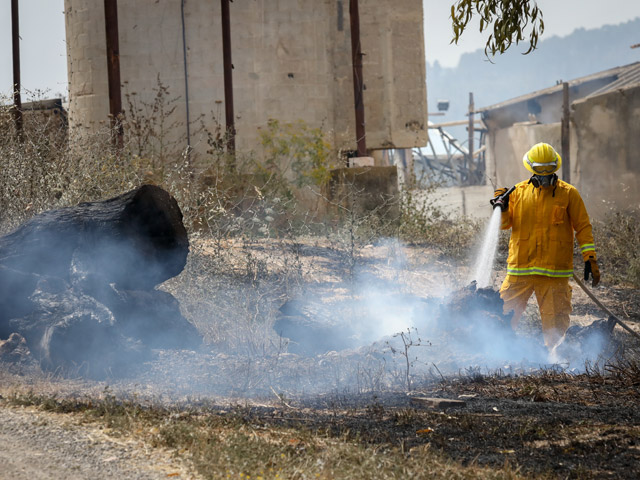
[470,129]
[455,123]
[228,77]
[358,82]
[15,39]
[565,134]
[185,65]
[113,68]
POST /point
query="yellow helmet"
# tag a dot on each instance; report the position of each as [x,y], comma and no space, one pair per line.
[542,159]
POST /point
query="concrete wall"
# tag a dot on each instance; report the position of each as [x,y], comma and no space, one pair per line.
[506,146]
[292,61]
[364,190]
[607,156]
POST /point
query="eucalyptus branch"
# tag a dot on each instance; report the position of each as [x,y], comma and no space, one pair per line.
[506,19]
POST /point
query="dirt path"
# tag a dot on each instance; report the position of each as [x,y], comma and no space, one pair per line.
[37,445]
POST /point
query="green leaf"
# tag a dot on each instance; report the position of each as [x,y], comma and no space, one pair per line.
[508,19]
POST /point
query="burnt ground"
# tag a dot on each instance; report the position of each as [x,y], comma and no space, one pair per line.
[549,425]
[557,421]
[552,425]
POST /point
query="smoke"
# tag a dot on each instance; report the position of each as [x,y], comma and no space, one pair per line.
[401,315]
[464,329]
[589,344]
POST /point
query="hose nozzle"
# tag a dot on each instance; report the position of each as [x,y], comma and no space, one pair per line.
[502,201]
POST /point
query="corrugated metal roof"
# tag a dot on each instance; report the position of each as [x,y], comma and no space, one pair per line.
[630,76]
[627,75]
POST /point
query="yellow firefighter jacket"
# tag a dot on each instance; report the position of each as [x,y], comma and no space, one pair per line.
[543,220]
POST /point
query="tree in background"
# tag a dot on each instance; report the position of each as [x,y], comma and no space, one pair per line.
[509,18]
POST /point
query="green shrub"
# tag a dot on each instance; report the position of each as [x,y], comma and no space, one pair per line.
[424,222]
[297,153]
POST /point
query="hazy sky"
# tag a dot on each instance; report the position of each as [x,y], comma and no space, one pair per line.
[561,17]
[43,61]
[43,57]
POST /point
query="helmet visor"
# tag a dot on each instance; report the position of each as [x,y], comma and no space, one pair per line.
[544,168]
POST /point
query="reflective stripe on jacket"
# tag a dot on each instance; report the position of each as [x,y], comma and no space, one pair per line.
[543,221]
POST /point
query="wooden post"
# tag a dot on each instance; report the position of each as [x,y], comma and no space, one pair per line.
[113,69]
[15,39]
[471,130]
[358,82]
[565,134]
[228,77]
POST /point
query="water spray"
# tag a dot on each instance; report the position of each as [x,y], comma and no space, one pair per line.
[484,263]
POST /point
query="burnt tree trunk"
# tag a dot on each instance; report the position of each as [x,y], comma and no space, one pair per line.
[78,283]
[136,240]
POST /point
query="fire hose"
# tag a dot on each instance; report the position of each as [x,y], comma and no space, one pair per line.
[602,307]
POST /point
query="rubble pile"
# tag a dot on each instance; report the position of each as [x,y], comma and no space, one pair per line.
[470,309]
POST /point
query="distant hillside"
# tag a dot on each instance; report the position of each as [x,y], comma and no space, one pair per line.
[557,58]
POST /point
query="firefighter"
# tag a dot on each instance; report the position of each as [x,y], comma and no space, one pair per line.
[543,213]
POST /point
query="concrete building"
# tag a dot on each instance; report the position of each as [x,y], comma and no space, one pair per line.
[604,136]
[606,141]
[292,61]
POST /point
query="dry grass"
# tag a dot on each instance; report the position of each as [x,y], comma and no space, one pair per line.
[244,442]
[618,243]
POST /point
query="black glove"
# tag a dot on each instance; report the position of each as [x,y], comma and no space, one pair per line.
[500,199]
[591,268]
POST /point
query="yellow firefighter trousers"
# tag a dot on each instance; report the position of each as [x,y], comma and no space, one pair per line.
[554,301]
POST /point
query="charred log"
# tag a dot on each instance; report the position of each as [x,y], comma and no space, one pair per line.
[15,288]
[136,240]
[14,349]
[587,342]
[78,283]
[151,316]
